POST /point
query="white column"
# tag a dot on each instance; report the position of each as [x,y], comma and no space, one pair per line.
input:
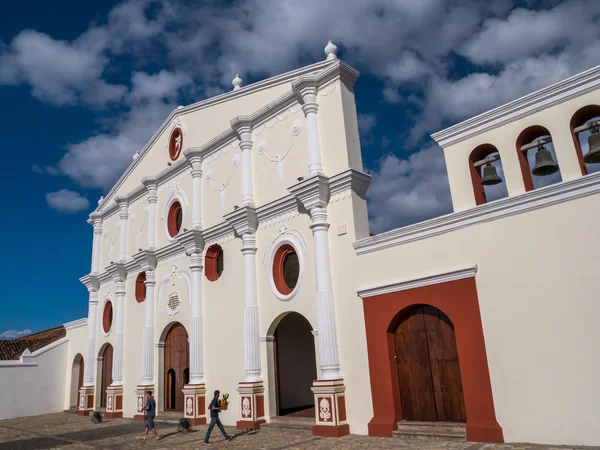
[328,348]
[123,215]
[90,356]
[245,134]
[148,344]
[310,108]
[117,369]
[196,350]
[196,163]
[96,244]
[251,342]
[152,200]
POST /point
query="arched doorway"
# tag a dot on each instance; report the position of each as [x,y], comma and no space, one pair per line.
[427,364]
[76,380]
[295,366]
[106,372]
[176,367]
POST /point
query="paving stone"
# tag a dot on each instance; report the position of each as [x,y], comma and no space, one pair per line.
[70,432]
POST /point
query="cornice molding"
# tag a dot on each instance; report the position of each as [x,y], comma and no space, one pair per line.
[75,324]
[276,208]
[218,233]
[146,260]
[312,192]
[117,272]
[352,179]
[413,283]
[170,250]
[243,220]
[91,282]
[555,94]
[192,241]
[498,209]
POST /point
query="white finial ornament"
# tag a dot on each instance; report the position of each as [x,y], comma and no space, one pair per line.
[237,82]
[101,200]
[180,106]
[330,51]
[135,155]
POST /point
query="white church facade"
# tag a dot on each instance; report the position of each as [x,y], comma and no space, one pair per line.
[234,254]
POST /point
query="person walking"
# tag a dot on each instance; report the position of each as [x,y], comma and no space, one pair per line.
[150,410]
[214,419]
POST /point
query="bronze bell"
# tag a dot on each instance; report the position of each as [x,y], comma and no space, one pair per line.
[490,176]
[593,155]
[544,163]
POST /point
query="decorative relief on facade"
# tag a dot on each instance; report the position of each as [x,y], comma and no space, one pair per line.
[246,410]
[189,406]
[82,402]
[283,231]
[338,196]
[326,90]
[140,405]
[324,410]
[109,403]
[138,217]
[278,118]
[175,123]
[173,303]
[173,184]
[235,163]
[283,217]
[171,278]
[171,259]
[221,152]
[220,240]
[278,159]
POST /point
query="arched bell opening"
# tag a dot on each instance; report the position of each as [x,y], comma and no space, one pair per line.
[77,371]
[537,158]
[585,130]
[487,174]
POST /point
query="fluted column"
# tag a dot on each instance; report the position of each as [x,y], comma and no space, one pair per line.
[152,188]
[328,347]
[96,243]
[148,344]
[117,368]
[123,216]
[196,344]
[90,355]
[196,163]
[310,108]
[245,135]
[251,342]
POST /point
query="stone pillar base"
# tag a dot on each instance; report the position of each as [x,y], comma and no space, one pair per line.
[330,408]
[195,404]
[141,390]
[252,405]
[86,401]
[114,402]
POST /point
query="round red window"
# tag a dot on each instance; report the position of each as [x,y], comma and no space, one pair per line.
[107,316]
[213,263]
[174,219]
[140,287]
[175,143]
[286,269]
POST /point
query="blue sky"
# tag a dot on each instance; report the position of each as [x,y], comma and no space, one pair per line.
[85,84]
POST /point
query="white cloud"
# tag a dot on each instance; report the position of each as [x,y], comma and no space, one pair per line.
[405,191]
[67,201]
[60,72]
[14,334]
[366,123]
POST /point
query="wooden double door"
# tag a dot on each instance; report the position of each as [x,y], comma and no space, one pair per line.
[428,370]
[107,364]
[176,369]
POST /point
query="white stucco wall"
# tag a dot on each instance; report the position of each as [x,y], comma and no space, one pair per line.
[36,386]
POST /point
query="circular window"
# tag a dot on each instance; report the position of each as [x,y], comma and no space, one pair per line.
[174,219]
[140,287]
[213,263]
[107,316]
[175,143]
[286,269]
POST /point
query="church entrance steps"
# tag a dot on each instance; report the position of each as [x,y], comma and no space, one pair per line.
[71,410]
[171,417]
[290,423]
[431,431]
